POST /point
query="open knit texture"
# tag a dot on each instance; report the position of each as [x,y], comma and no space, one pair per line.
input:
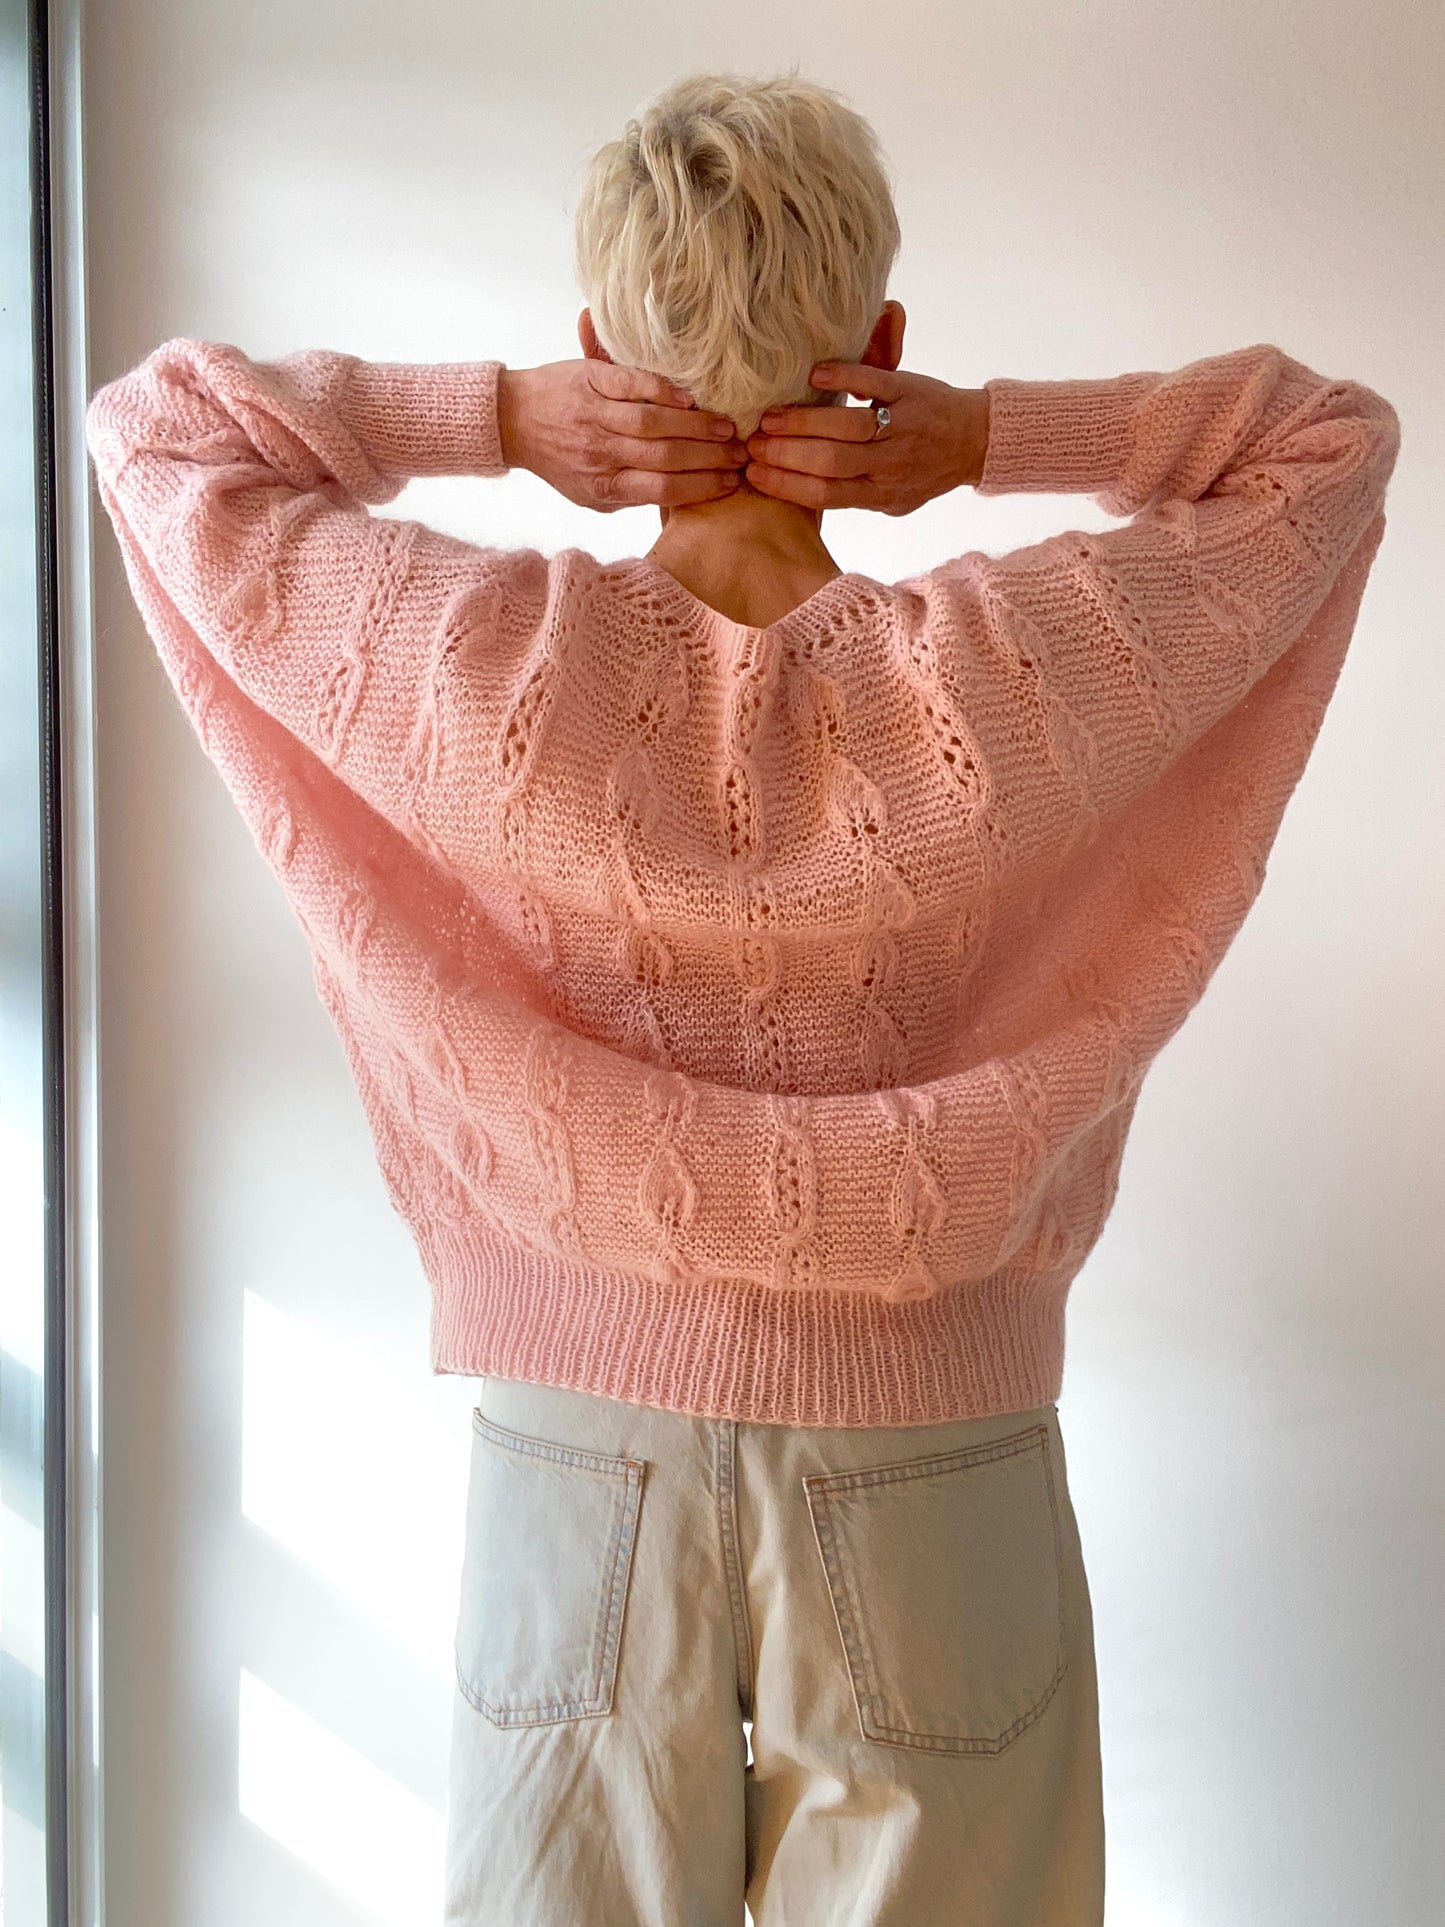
[750,1020]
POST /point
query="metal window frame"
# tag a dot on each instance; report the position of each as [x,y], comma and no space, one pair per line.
[68,1002]
[78,1166]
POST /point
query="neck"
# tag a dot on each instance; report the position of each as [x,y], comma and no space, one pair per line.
[748,555]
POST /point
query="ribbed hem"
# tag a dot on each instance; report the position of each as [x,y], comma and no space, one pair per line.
[741,1351]
[1060,437]
[428,418]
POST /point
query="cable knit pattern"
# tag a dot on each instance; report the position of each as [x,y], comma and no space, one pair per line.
[750,1020]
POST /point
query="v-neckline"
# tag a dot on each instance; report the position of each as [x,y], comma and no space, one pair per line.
[810,607]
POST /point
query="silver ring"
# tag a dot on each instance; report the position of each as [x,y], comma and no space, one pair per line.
[881,417]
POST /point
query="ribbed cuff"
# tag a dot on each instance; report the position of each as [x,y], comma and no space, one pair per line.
[428,418]
[1060,437]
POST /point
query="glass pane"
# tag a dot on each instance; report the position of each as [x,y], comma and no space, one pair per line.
[23,1540]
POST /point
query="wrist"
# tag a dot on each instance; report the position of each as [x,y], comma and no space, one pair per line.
[512,416]
[971,435]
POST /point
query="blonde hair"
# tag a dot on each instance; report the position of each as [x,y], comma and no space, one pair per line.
[738,232]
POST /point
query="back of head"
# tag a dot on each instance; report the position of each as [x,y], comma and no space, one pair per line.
[738,232]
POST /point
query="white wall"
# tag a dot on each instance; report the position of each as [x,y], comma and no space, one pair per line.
[1253,1396]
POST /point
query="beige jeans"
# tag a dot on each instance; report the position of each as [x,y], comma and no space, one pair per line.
[901,1614]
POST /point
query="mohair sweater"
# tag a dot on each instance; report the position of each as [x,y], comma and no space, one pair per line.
[750,1020]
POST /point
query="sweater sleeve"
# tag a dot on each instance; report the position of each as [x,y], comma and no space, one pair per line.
[240,492]
[1250,481]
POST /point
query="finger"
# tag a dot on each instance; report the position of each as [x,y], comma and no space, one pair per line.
[642,485]
[626,452]
[812,491]
[810,456]
[635,384]
[833,424]
[857,378]
[644,419]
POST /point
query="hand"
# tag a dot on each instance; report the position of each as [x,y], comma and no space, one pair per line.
[832,458]
[608,436]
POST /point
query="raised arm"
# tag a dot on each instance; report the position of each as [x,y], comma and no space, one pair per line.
[240,493]
[240,490]
[1250,481]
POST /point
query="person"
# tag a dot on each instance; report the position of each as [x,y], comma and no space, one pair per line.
[749,969]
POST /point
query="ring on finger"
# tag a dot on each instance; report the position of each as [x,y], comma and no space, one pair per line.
[882,415]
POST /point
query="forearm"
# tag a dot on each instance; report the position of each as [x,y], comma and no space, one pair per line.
[426,418]
[1250,483]
[318,421]
[971,435]
[240,493]
[1146,437]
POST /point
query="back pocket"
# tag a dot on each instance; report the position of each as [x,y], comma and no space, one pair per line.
[945,1577]
[545,1573]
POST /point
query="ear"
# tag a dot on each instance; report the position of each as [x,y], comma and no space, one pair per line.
[591,347]
[885,344]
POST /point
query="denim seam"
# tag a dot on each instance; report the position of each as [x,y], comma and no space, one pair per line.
[842,1604]
[608,1637]
[546,1449]
[847,1609]
[934,1464]
[615,1577]
[725,1469]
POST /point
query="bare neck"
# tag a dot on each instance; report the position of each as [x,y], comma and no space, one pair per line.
[749,556]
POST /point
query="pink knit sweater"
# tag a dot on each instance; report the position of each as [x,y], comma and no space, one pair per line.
[750,1020]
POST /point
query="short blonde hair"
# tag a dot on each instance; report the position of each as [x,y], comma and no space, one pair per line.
[738,232]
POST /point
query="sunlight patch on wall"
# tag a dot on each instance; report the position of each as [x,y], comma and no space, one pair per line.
[349,1822]
[356,1471]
